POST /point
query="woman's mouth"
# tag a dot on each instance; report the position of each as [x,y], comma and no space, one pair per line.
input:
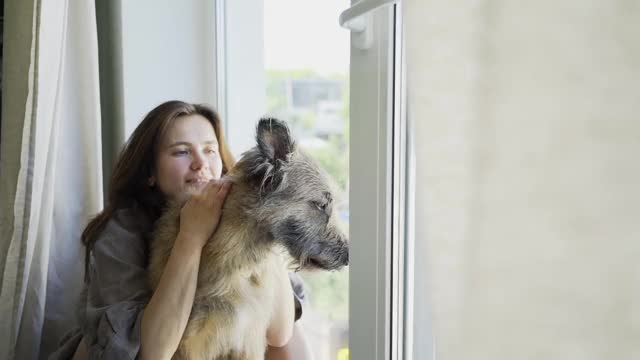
[198,181]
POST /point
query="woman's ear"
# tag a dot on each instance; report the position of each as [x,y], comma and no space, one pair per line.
[152,181]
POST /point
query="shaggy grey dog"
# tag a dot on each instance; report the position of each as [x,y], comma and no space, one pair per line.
[280,202]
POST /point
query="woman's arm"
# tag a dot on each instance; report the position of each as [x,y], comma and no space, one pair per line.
[165,317]
[281,326]
[296,349]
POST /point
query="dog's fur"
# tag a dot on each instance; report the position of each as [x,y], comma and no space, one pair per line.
[280,200]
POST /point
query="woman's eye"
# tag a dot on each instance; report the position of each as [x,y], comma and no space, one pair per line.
[181,152]
[210,151]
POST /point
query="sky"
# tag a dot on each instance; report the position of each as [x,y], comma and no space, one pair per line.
[305,34]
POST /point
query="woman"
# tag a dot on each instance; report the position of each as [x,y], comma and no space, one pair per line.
[177,147]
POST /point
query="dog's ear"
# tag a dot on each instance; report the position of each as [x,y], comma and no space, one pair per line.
[274,140]
[273,150]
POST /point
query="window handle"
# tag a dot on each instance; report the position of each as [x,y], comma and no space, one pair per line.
[358,19]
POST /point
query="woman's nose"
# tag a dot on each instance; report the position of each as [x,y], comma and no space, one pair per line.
[198,161]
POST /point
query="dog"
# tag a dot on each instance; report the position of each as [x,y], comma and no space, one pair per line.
[280,202]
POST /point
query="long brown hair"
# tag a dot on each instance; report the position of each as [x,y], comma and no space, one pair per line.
[129,185]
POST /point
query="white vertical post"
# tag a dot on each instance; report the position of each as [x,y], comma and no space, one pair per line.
[371,113]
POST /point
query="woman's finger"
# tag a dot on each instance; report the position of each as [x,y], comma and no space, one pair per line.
[212,187]
[224,189]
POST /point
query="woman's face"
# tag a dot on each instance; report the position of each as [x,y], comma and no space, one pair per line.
[188,156]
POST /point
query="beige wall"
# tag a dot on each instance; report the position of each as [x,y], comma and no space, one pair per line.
[528,145]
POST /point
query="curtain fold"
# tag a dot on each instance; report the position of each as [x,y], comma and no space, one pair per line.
[526,143]
[52,177]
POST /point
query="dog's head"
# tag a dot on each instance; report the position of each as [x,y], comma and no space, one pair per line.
[295,200]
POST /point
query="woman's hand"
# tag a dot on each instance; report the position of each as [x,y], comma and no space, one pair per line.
[200,215]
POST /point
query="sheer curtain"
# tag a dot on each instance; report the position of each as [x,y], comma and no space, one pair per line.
[527,140]
[50,166]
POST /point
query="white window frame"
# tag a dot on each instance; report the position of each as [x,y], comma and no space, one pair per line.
[239,65]
[388,310]
[372,334]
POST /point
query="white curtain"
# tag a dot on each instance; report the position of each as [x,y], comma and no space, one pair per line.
[50,161]
[527,136]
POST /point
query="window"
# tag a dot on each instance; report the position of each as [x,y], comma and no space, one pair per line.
[382,265]
[307,84]
[371,152]
[271,61]
[343,96]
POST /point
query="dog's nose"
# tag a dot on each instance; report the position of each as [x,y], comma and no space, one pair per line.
[344,259]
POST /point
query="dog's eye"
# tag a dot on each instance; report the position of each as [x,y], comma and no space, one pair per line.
[320,205]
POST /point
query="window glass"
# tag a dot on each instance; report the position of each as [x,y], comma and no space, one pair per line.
[307,84]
